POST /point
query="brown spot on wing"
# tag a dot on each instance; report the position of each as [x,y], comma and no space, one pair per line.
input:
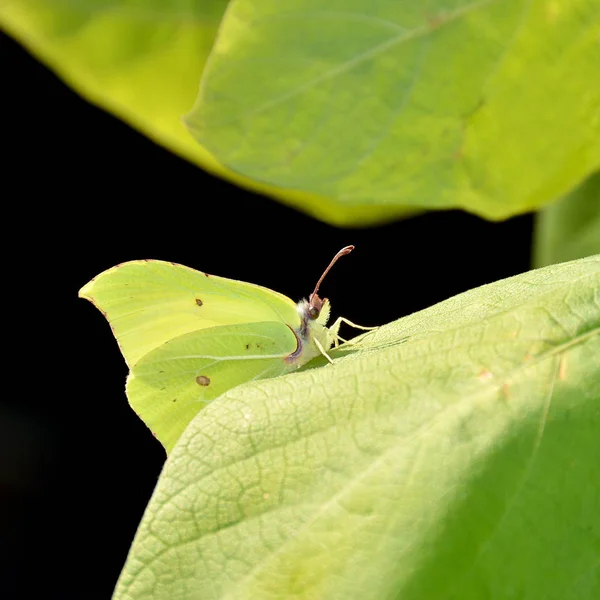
[203,380]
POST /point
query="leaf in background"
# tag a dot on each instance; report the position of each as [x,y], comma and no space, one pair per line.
[570,228]
[355,111]
[485,105]
[142,60]
[452,455]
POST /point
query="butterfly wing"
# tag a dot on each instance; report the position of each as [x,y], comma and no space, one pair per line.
[172,383]
[148,302]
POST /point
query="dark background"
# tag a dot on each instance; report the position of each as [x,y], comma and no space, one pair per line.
[82,192]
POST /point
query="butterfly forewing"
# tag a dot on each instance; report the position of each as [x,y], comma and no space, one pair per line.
[148,302]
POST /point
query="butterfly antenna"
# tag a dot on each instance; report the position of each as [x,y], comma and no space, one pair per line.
[342,252]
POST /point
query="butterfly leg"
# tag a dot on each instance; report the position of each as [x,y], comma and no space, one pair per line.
[335,328]
[322,350]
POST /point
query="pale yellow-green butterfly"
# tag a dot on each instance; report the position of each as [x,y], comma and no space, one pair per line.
[187,336]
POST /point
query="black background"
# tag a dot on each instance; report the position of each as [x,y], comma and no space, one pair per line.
[81,192]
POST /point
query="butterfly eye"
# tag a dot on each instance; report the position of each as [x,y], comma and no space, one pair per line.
[313,313]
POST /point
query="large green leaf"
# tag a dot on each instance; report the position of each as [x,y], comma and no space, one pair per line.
[570,228]
[452,454]
[492,106]
[355,111]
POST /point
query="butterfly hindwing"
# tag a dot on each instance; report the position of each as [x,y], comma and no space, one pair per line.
[171,384]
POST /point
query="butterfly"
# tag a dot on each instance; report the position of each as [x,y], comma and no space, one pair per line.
[188,337]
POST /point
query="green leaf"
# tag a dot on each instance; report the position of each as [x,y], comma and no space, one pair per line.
[570,228]
[451,454]
[355,111]
[486,105]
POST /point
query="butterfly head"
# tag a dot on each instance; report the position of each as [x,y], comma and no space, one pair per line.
[314,310]
[318,309]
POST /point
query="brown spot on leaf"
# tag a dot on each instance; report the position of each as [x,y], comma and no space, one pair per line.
[199,302]
[247,346]
[203,380]
[484,375]
[174,399]
[436,21]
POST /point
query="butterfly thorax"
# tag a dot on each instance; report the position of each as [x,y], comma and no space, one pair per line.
[312,327]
